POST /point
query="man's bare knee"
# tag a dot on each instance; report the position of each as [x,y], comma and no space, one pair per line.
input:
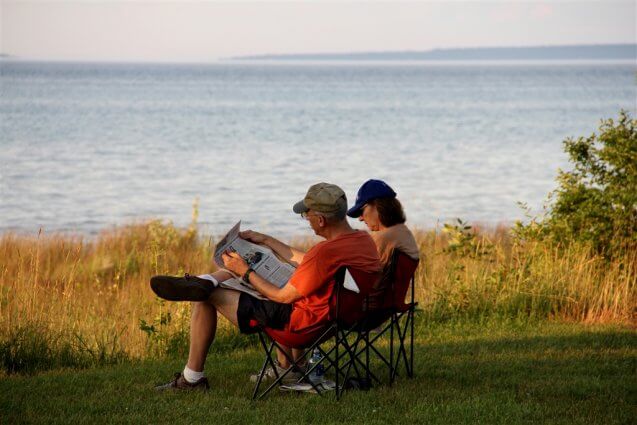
[226,301]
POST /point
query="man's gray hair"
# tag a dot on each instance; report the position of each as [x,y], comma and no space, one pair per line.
[334,217]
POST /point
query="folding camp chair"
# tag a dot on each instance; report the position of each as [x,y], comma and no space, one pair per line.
[393,315]
[346,309]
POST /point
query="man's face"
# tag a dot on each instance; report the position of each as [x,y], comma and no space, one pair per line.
[316,221]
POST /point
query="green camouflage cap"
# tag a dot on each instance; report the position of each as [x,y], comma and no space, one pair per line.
[322,197]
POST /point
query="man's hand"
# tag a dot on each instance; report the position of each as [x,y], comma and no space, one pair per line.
[252,236]
[234,262]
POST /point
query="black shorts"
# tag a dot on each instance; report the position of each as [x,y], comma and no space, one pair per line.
[267,313]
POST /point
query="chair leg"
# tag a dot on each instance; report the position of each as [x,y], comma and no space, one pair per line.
[332,363]
[354,358]
[403,337]
[391,351]
[411,342]
[350,362]
[369,346]
[367,371]
[267,360]
[293,364]
[402,351]
[380,355]
[351,350]
[336,367]
[396,363]
[365,350]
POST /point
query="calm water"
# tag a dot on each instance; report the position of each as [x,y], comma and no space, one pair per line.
[87,146]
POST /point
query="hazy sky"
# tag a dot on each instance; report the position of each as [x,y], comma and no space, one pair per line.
[208,30]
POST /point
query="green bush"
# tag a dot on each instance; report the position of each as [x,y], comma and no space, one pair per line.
[596,201]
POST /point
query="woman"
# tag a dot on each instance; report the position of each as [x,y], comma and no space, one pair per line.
[377,206]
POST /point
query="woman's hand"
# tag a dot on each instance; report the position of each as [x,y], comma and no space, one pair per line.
[252,236]
[234,262]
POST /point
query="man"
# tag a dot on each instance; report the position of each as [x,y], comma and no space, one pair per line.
[300,306]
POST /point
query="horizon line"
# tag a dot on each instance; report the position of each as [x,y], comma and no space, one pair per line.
[440,49]
[335,55]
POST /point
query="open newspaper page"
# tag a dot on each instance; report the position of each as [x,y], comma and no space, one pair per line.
[261,258]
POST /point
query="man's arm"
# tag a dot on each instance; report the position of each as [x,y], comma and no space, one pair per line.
[291,255]
[286,295]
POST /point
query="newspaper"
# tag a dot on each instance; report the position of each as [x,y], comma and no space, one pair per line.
[261,258]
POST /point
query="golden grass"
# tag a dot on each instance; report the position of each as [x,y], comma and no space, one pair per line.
[93,293]
[496,275]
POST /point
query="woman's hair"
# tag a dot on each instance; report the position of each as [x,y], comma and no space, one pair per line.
[390,211]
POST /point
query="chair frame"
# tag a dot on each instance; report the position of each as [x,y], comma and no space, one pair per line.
[335,329]
[393,324]
[352,352]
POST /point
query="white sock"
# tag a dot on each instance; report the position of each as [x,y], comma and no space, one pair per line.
[192,376]
[209,277]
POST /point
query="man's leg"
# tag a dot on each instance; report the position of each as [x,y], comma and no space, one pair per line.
[203,327]
[282,359]
[226,302]
[203,323]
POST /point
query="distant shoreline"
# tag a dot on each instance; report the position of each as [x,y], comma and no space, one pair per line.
[540,55]
[335,63]
[545,53]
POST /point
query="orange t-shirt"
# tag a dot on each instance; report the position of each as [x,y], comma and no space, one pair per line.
[314,278]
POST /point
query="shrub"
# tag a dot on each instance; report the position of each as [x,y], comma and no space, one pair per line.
[596,201]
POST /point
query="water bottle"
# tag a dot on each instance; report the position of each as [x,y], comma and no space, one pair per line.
[317,375]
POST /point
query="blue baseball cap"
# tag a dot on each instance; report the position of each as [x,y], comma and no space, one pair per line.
[371,189]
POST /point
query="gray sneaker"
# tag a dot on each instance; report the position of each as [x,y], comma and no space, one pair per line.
[180,383]
[306,387]
[291,378]
[267,375]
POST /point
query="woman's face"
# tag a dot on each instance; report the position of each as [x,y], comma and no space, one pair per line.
[369,215]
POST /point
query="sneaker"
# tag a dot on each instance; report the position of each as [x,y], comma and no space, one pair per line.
[187,288]
[306,387]
[302,387]
[267,375]
[180,383]
[291,378]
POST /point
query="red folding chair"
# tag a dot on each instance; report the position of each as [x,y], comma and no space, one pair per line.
[391,314]
[346,309]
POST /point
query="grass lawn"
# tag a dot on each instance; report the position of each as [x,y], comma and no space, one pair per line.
[465,373]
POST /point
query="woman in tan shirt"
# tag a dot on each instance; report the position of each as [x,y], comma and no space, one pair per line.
[377,205]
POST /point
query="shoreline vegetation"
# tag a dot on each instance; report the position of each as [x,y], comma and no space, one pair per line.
[68,301]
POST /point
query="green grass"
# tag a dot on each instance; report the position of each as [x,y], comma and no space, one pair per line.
[465,373]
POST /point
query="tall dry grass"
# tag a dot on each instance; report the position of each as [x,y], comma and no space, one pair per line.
[473,273]
[73,301]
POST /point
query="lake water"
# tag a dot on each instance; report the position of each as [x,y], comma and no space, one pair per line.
[87,146]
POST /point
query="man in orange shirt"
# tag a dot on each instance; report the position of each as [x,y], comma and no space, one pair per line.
[300,306]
